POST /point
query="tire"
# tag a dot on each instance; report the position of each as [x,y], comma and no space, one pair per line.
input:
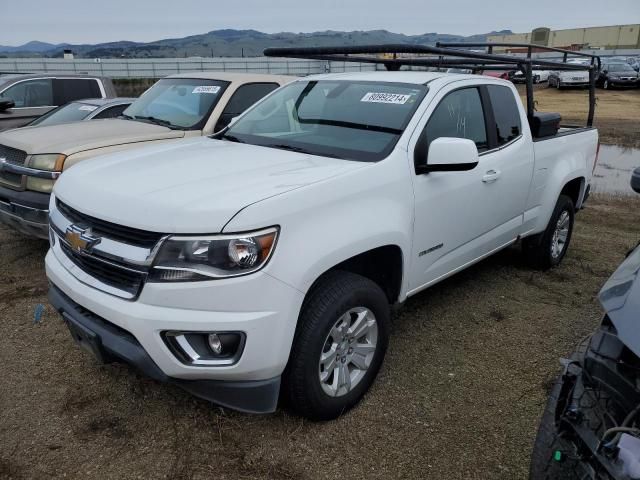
[536,79]
[338,299]
[593,403]
[542,251]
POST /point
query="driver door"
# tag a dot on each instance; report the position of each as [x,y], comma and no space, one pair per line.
[461,216]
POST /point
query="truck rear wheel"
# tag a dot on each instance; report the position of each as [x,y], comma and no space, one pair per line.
[548,248]
[342,337]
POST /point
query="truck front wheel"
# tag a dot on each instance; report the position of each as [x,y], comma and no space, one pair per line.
[548,248]
[339,346]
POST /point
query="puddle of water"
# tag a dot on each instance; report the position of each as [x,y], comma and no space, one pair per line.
[613,172]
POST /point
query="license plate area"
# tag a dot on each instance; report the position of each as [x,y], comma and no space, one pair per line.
[85,338]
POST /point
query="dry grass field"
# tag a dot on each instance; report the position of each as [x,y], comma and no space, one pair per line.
[459,395]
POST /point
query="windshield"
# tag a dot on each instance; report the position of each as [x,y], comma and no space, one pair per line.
[183,103]
[619,67]
[71,112]
[354,120]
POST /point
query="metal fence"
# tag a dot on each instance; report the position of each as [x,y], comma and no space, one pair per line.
[161,67]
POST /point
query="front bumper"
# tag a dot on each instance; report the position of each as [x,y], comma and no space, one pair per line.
[26,212]
[616,82]
[574,83]
[110,343]
[262,307]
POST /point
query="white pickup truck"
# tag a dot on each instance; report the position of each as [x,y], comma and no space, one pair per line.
[175,107]
[264,262]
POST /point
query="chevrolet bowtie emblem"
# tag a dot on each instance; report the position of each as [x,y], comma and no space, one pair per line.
[80,238]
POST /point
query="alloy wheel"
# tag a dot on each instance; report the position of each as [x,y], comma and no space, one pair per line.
[560,234]
[348,351]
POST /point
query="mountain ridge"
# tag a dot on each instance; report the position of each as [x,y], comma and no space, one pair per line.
[231,43]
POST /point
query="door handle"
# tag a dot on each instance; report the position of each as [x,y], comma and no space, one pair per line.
[491,176]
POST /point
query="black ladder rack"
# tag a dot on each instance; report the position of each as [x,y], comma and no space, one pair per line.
[453,55]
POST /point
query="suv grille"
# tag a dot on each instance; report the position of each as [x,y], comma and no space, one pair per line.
[118,277]
[13,155]
[132,236]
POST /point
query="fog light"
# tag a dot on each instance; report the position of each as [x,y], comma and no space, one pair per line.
[206,348]
[215,344]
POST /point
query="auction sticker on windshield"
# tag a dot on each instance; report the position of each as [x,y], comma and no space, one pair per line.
[207,89]
[396,98]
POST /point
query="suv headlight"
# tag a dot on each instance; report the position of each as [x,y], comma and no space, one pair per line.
[183,259]
[52,162]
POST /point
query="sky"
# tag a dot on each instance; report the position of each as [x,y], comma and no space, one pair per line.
[97,21]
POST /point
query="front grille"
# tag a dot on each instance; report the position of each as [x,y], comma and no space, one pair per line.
[13,155]
[12,179]
[132,236]
[110,274]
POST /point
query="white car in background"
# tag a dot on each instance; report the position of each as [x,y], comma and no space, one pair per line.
[569,78]
[539,76]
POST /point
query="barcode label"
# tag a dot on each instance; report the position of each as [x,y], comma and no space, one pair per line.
[395,98]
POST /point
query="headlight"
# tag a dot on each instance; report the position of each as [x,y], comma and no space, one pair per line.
[220,256]
[52,162]
[44,185]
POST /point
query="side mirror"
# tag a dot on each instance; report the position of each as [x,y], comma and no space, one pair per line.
[6,104]
[635,180]
[447,154]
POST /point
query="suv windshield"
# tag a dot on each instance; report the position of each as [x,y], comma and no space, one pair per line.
[183,103]
[354,120]
[71,112]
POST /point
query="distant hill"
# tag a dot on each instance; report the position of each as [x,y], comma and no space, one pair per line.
[231,43]
[31,47]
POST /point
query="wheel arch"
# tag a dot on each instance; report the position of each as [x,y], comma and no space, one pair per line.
[384,265]
[574,189]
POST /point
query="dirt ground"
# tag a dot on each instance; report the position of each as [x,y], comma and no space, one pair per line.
[617,113]
[459,395]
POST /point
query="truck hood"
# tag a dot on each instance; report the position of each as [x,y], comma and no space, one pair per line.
[189,186]
[76,137]
[620,297]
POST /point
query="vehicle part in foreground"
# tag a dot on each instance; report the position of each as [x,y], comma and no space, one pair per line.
[265,259]
[590,428]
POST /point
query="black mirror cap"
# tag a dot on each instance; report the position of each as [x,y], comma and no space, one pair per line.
[6,104]
[635,180]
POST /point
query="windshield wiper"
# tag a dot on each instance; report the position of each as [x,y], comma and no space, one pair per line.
[128,117]
[232,138]
[159,121]
[284,146]
[291,148]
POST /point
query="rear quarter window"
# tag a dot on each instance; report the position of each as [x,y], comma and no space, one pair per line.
[505,112]
[69,89]
[112,112]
